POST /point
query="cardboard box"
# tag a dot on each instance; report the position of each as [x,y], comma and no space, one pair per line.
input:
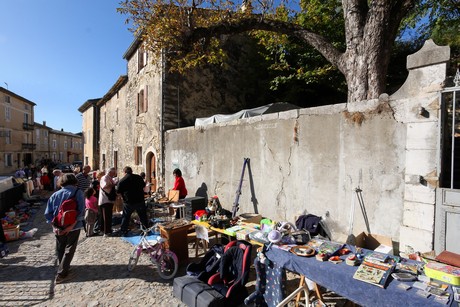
[374,241]
[11,234]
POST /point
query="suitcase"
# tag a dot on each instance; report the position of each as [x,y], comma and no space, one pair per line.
[191,292]
[180,283]
[195,293]
[210,298]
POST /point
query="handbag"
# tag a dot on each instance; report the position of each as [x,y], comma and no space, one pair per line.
[112,195]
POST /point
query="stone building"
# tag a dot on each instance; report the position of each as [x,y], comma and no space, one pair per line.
[56,146]
[24,142]
[16,132]
[127,125]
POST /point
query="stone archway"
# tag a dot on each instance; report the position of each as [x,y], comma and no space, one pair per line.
[150,170]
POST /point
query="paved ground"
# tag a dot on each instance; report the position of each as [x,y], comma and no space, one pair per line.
[102,279]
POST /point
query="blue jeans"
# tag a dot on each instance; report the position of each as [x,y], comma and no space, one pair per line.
[128,209]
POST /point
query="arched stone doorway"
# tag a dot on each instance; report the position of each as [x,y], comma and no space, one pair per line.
[150,171]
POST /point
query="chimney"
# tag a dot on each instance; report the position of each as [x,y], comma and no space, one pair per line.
[44,123]
[62,129]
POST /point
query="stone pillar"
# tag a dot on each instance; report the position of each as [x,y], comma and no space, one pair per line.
[417,104]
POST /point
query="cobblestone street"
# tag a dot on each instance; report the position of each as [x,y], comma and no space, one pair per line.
[100,264]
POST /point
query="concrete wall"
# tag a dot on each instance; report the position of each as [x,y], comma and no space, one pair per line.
[311,160]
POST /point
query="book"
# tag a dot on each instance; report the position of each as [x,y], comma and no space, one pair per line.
[407,268]
[374,272]
[329,248]
[377,256]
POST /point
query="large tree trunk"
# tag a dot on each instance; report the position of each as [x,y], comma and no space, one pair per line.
[370,32]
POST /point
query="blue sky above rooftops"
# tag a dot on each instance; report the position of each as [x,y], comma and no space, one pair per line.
[60,53]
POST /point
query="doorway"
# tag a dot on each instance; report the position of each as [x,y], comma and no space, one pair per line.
[447,215]
[150,171]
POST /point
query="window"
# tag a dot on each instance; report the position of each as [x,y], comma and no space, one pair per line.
[116,115]
[8,137]
[7,99]
[26,107]
[142,101]
[54,144]
[8,159]
[65,144]
[7,113]
[138,155]
[61,156]
[26,118]
[141,58]
[54,156]
[105,119]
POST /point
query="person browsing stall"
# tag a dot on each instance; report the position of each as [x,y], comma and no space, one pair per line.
[107,197]
[179,183]
[131,188]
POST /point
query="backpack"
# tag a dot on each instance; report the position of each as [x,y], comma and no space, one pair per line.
[67,213]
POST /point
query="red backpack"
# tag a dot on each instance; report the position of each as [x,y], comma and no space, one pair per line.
[67,213]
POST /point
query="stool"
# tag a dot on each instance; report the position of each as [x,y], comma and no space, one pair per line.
[198,240]
[181,208]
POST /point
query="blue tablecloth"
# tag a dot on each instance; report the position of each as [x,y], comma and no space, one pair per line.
[339,279]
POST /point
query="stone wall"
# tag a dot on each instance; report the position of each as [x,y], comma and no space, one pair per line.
[312,160]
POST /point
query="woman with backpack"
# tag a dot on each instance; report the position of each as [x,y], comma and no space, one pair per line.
[66,236]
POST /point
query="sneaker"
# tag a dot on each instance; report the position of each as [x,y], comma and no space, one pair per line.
[60,278]
[118,233]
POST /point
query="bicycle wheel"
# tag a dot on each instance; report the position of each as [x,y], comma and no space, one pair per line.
[133,259]
[167,265]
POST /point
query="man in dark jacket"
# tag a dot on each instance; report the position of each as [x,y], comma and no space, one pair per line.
[131,188]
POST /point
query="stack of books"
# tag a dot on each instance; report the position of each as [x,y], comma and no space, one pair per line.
[375,270]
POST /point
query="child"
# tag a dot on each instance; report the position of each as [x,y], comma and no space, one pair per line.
[91,211]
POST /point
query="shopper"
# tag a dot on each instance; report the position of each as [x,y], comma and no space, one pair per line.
[66,239]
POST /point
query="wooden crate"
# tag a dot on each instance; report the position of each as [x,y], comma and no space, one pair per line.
[177,241]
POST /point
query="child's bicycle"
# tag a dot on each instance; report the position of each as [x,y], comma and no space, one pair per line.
[165,260]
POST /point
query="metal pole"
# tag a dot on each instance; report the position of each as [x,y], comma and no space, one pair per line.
[452,153]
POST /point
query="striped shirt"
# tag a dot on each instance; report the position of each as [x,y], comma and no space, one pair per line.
[84,181]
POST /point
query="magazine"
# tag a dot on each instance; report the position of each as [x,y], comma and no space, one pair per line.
[374,272]
[329,248]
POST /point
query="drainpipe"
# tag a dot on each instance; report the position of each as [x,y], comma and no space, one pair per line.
[162,132]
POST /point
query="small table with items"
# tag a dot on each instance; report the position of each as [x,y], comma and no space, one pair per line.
[338,277]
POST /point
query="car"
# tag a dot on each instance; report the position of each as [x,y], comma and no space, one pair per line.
[65,167]
[76,164]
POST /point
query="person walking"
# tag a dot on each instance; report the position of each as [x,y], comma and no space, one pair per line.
[66,239]
[131,188]
[91,211]
[107,197]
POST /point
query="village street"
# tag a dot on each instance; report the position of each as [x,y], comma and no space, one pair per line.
[102,279]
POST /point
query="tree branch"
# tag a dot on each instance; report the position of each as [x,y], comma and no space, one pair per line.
[254,22]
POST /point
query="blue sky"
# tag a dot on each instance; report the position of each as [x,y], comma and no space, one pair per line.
[60,53]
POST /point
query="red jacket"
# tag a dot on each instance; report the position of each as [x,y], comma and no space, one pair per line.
[179,184]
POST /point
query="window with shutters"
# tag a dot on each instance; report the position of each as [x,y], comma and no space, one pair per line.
[138,155]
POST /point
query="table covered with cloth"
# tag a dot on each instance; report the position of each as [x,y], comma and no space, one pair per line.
[339,279]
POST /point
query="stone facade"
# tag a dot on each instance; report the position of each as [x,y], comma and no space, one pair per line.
[129,122]
[16,132]
[56,146]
